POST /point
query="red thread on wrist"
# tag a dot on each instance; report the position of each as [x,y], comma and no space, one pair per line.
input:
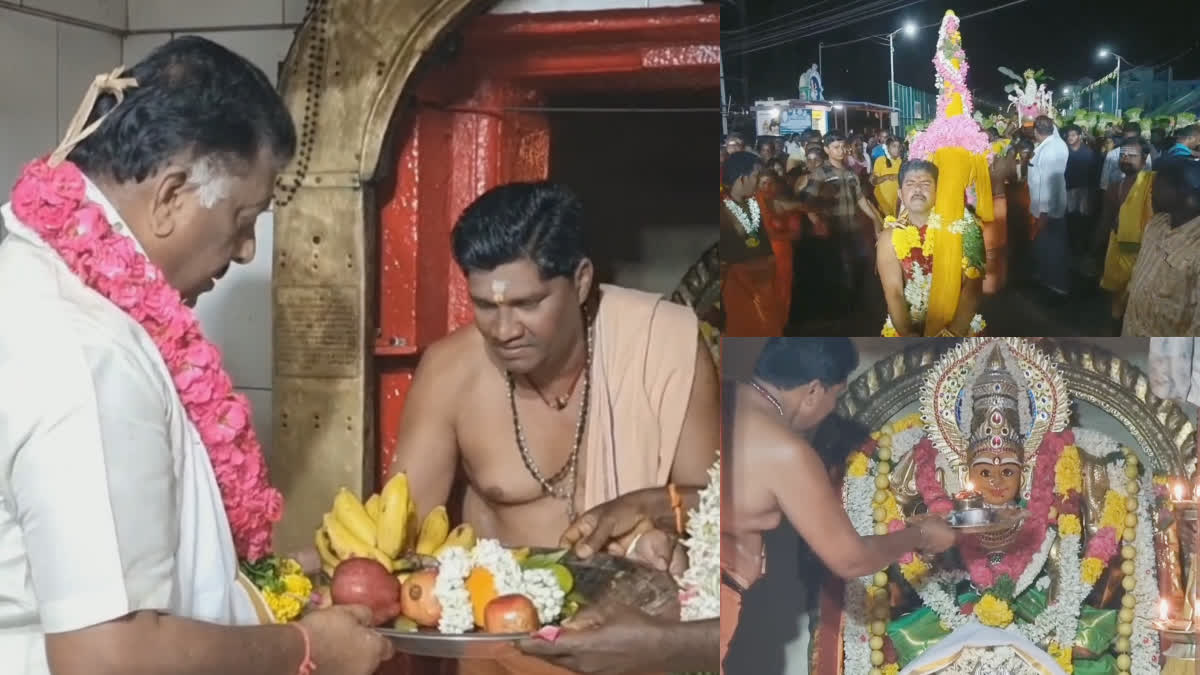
[307,665]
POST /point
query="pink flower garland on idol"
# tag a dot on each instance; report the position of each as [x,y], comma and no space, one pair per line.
[53,202]
[1033,530]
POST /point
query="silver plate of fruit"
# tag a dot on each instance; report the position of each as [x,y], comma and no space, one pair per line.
[601,578]
[376,554]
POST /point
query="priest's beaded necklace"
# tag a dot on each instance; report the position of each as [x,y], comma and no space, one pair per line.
[565,483]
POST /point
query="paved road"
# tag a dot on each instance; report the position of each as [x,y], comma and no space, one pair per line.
[1019,311]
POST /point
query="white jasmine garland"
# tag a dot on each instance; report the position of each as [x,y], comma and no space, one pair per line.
[454,564]
[1096,445]
[751,223]
[701,597]
[1144,649]
[857,495]
[541,587]
[1036,563]
[916,294]
[904,442]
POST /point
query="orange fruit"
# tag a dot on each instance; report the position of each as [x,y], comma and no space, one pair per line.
[481,585]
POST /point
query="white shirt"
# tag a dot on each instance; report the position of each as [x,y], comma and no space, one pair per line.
[1111,171]
[108,501]
[1048,177]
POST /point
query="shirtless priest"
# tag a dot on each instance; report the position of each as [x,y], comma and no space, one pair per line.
[130,481]
[773,472]
[563,394]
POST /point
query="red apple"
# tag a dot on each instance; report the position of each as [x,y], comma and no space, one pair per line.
[510,614]
[362,581]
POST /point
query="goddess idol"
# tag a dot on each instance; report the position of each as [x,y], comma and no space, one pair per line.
[1055,570]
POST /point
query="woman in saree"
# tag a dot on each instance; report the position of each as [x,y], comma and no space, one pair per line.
[883,177]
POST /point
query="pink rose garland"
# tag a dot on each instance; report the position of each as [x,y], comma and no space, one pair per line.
[53,202]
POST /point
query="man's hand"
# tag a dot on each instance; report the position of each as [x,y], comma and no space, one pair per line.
[610,526]
[343,642]
[607,640]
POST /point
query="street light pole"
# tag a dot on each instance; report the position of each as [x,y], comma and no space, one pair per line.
[891,75]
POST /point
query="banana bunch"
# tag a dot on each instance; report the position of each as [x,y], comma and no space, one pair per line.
[386,528]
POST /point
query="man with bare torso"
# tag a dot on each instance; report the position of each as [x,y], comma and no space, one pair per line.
[561,395]
[773,472]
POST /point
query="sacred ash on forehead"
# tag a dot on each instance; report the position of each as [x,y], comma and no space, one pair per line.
[499,288]
[995,421]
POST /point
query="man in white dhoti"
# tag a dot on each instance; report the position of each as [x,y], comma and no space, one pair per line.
[130,480]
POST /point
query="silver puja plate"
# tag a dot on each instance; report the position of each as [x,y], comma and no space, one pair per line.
[970,517]
[465,646]
[986,521]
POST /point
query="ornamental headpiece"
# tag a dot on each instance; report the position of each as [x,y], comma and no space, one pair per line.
[996,419]
[1005,391]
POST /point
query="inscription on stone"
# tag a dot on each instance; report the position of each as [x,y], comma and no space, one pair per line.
[317,332]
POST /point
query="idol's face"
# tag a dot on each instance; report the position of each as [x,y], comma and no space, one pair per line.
[998,483]
[523,318]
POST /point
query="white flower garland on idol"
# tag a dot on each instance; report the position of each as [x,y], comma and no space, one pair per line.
[1061,618]
[701,582]
[752,223]
[989,661]
[857,494]
[1144,650]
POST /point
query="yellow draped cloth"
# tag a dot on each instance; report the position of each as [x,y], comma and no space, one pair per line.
[887,192]
[1124,244]
[958,169]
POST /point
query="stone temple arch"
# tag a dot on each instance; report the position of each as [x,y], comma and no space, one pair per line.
[405,112]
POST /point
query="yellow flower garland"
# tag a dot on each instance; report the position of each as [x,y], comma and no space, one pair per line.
[858,465]
[1062,655]
[1068,473]
[1069,524]
[993,611]
[287,605]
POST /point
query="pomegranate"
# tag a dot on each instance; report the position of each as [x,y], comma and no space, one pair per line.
[417,600]
[362,581]
[513,613]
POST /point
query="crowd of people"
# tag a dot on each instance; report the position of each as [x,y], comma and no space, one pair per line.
[1074,211]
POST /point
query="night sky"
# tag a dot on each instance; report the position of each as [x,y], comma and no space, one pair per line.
[1049,34]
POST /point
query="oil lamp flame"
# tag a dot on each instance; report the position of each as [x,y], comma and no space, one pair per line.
[1178,492]
[1162,609]
[970,486]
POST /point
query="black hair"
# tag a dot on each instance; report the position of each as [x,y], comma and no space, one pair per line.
[833,137]
[917,165]
[735,137]
[1139,143]
[1043,125]
[1190,130]
[788,363]
[1023,144]
[195,97]
[992,132]
[1073,127]
[1182,173]
[739,164]
[887,143]
[539,221]
[816,150]
[1131,128]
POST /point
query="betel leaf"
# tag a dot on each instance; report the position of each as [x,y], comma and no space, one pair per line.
[1003,588]
[540,560]
[264,574]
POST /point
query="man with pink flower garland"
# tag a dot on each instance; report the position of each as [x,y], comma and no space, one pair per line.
[131,482]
